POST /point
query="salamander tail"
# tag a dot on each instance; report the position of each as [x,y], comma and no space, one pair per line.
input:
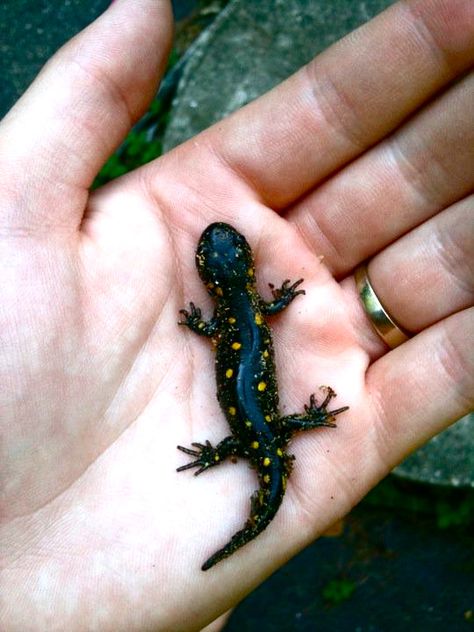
[239,539]
[264,505]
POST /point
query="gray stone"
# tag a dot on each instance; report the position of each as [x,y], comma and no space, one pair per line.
[251,47]
[448,459]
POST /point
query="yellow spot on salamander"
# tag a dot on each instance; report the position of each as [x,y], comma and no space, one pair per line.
[279,452]
[268,418]
[283,482]
[229,373]
[201,325]
[266,461]
[232,410]
[217,457]
[258,318]
[254,445]
[210,286]
[219,291]
[236,346]
[262,386]
[250,272]
[266,478]
[248,423]
[265,354]
[231,320]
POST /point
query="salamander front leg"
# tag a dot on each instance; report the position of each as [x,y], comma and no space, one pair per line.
[208,456]
[315,415]
[193,320]
[282,296]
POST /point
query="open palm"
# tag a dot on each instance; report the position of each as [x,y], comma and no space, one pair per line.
[99,384]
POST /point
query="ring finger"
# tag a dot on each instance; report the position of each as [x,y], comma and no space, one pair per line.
[423,277]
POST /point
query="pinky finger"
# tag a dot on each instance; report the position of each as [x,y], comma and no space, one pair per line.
[423,386]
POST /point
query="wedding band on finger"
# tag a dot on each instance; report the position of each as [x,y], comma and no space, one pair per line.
[385,326]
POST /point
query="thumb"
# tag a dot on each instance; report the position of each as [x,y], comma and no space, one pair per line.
[79,109]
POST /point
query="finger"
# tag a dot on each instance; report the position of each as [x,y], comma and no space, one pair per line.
[348,98]
[80,107]
[422,168]
[429,274]
[422,278]
[421,387]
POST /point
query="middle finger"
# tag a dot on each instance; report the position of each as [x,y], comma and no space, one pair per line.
[421,169]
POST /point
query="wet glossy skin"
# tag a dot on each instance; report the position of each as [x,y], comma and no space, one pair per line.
[245,373]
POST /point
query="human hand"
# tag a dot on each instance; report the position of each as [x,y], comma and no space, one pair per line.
[345,160]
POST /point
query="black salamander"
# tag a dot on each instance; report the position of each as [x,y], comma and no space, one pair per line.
[245,372]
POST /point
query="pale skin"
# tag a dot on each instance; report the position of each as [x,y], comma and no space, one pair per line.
[349,159]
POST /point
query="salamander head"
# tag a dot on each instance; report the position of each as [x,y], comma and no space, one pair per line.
[224,259]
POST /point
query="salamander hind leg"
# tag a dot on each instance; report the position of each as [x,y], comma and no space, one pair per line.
[208,456]
[315,415]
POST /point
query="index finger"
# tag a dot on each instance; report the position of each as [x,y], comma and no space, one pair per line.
[345,100]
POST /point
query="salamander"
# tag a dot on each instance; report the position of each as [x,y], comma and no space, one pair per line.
[245,373]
